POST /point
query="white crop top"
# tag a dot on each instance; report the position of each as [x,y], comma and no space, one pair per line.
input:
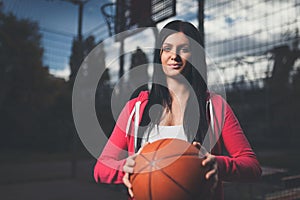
[163,132]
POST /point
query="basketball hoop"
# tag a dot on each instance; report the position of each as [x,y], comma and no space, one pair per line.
[128,15]
[109,12]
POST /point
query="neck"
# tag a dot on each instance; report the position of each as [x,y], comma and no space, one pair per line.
[180,94]
[178,89]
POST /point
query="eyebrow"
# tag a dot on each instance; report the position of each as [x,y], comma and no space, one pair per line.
[179,45]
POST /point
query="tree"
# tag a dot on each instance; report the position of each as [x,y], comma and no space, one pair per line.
[80,49]
[28,91]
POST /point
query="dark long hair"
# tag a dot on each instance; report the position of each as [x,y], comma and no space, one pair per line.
[196,76]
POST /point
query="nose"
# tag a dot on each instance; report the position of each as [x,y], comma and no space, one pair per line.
[174,55]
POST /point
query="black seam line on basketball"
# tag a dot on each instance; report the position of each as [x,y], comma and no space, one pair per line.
[149,161]
[181,155]
[141,168]
[157,149]
[145,165]
[150,174]
[149,184]
[163,158]
[178,184]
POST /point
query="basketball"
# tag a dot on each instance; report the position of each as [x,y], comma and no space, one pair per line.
[169,169]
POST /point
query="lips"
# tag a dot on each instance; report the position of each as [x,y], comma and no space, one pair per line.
[175,65]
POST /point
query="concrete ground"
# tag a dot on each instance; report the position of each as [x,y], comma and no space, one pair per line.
[53,181]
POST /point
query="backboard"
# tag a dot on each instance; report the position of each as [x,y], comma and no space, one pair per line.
[131,14]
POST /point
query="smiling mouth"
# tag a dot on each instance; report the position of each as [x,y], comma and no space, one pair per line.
[174,66]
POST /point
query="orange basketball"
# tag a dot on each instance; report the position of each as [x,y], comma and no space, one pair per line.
[169,169]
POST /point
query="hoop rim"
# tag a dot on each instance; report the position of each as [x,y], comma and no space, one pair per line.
[104,11]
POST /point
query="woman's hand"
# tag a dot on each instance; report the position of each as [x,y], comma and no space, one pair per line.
[209,160]
[128,169]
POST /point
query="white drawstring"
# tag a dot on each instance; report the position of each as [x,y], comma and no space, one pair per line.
[136,122]
[211,114]
[207,143]
[129,121]
[136,111]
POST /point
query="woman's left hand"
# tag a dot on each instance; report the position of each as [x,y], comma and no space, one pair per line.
[209,160]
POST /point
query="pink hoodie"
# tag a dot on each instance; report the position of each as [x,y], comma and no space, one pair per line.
[241,163]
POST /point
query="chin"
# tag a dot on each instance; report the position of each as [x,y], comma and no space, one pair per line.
[173,72]
[175,75]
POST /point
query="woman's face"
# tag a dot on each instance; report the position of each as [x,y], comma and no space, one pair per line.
[175,53]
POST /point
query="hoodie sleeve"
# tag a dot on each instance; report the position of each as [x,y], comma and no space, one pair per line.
[241,164]
[109,166]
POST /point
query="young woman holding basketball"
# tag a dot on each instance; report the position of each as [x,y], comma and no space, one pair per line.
[186,108]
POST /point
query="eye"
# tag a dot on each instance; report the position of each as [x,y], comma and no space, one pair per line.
[166,48]
[185,49]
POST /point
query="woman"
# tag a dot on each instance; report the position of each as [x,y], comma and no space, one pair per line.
[187,108]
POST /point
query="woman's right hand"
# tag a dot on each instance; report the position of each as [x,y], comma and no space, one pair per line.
[128,169]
